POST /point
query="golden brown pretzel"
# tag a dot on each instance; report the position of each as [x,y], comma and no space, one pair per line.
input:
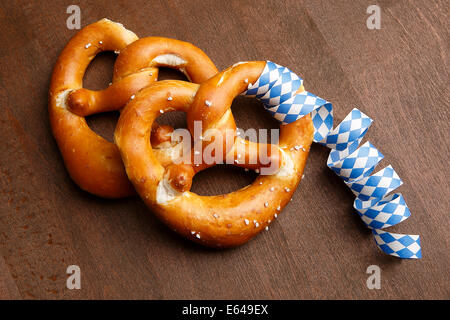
[92,162]
[218,221]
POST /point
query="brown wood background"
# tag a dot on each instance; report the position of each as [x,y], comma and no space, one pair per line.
[318,248]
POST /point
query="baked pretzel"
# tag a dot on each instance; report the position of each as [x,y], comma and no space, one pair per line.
[217,221]
[93,162]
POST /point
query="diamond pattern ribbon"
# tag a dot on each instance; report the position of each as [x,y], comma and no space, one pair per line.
[276,88]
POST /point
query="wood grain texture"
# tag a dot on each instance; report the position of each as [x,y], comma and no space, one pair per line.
[318,248]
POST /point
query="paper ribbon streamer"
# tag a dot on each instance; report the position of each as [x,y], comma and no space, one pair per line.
[276,88]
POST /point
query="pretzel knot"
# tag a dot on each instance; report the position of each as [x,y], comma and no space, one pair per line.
[222,220]
[93,162]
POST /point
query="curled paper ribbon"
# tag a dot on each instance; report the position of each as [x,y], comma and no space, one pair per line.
[276,88]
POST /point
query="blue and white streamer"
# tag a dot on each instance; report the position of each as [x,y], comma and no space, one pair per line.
[276,88]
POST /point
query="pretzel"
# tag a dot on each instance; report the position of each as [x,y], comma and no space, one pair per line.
[217,221]
[93,162]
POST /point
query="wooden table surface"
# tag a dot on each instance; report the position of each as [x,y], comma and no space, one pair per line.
[318,248]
